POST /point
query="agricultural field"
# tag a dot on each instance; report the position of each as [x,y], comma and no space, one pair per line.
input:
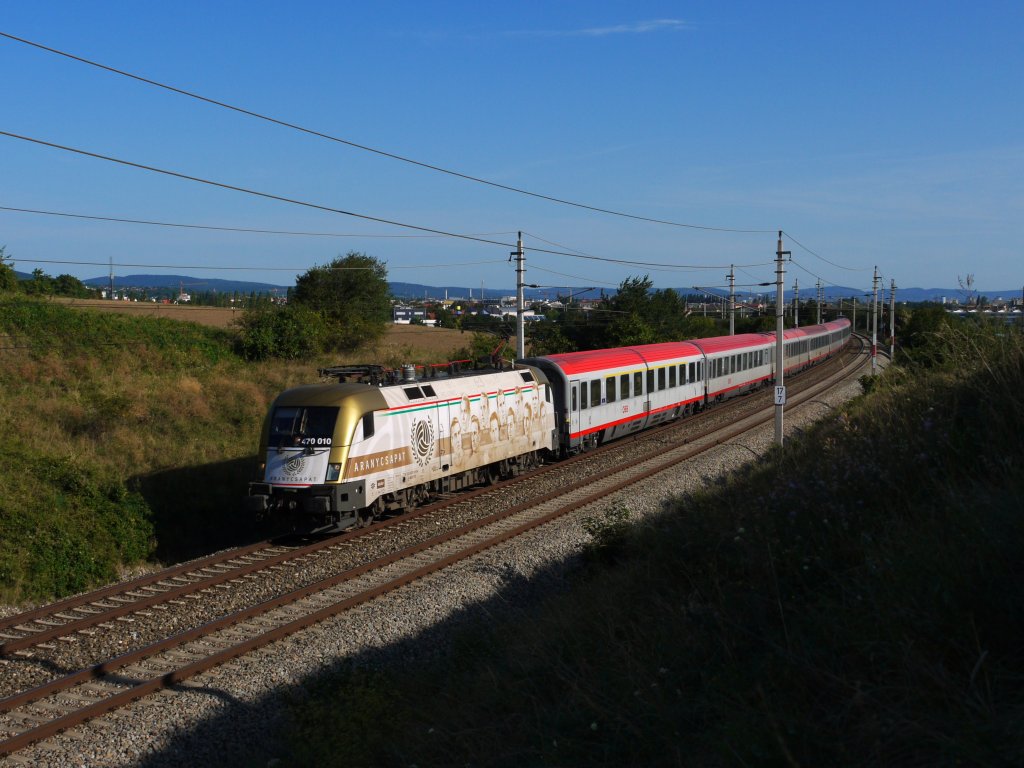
[424,340]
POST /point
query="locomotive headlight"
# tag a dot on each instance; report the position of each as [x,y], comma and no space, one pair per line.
[333,472]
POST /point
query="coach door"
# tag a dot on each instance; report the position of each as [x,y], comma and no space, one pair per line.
[574,406]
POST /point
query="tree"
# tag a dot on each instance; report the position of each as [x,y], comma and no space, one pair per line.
[41,284]
[291,331]
[69,285]
[8,280]
[352,296]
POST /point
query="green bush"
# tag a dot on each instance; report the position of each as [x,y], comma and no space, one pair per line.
[291,332]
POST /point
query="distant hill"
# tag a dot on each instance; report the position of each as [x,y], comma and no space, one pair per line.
[187,282]
[402,290]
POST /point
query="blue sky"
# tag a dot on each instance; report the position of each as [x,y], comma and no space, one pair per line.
[871,133]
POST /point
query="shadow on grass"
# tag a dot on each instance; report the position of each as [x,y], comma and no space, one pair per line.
[198,510]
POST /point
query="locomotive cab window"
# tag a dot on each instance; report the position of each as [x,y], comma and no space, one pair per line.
[293,426]
[367,425]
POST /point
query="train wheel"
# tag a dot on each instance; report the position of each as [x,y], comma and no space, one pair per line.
[365,517]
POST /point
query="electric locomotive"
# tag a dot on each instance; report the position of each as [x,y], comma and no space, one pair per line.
[334,455]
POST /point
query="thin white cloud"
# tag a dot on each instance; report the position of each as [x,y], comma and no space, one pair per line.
[636,28]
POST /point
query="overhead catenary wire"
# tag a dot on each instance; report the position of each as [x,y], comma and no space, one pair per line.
[330,209]
[819,256]
[365,148]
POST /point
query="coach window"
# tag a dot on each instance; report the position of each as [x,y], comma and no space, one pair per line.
[583,396]
[624,386]
[693,372]
[574,398]
[672,376]
[638,383]
[595,393]
[610,389]
[682,374]
[661,379]
[650,381]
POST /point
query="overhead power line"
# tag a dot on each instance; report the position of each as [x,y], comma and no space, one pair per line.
[329,209]
[16,259]
[365,148]
[220,229]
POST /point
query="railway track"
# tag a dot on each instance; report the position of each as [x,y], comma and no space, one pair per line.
[37,712]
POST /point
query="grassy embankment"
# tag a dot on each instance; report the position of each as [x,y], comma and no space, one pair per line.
[125,439]
[855,600]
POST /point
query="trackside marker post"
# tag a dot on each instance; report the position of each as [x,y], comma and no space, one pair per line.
[780,395]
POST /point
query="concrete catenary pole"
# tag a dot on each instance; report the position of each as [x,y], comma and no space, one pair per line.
[732,301]
[874,324]
[892,320]
[520,302]
[819,297]
[796,302]
[780,306]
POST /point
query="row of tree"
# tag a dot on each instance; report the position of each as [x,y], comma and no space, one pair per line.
[347,303]
[40,284]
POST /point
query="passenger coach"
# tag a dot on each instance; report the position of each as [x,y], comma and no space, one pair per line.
[604,394]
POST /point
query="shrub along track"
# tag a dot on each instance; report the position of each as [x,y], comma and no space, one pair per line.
[338,574]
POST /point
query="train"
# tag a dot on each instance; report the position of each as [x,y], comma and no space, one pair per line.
[334,455]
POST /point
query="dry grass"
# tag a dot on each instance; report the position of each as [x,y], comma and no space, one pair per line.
[413,341]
